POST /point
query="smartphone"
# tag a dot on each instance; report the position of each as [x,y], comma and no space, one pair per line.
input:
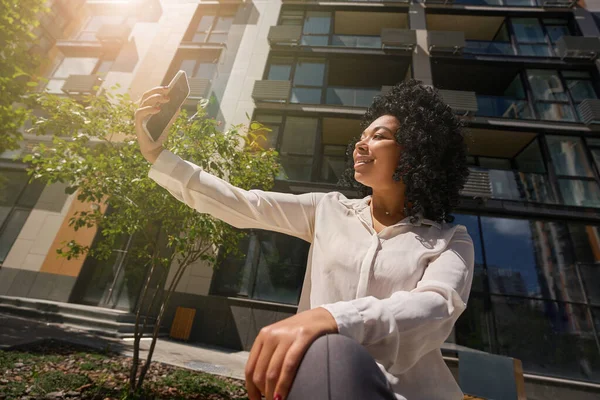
[179,90]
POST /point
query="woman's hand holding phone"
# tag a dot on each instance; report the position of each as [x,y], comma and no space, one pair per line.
[149,105]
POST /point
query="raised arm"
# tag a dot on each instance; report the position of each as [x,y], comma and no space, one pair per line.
[281,212]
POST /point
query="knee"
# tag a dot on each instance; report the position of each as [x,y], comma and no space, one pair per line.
[342,351]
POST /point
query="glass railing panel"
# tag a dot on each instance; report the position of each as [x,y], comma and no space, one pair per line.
[503,107]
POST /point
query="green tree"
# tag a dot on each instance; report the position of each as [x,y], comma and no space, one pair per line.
[17,65]
[94,151]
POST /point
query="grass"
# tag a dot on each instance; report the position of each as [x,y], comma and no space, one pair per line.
[55,367]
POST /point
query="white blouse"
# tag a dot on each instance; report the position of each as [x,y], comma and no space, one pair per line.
[397,292]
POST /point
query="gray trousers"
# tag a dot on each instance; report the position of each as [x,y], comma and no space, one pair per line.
[336,367]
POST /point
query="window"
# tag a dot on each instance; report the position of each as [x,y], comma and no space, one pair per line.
[199,68]
[89,30]
[297,147]
[76,66]
[18,195]
[535,297]
[550,97]
[309,76]
[537,37]
[271,268]
[315,31]
[530,37]
[580,87]
[212,28]
[521,178]
[575,175]
[594,145]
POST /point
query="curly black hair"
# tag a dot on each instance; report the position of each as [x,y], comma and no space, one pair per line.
[433,165]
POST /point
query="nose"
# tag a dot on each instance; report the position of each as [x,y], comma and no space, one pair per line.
[361,145]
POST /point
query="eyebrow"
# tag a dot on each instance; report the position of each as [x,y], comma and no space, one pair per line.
[378,128]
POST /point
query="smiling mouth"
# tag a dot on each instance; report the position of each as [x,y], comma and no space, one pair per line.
[363,162]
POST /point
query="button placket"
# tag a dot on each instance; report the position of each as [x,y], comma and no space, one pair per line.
[367,266]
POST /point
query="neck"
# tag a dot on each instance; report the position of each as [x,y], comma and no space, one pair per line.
[388,201]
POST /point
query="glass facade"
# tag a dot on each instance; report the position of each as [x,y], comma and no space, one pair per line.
[534,293]
[271,268]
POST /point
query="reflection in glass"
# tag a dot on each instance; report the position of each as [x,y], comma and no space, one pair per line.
[281,267]
[317,22]
[535,50]
[555,112]
[550,338]
[581,90]
[314,40]
[373,42]
[502,107]
[306,95]
[352,97]
[546,85]
[578,192]
[471,329]
[296,168]
[309,73]
[528,30]
[530,258]
[333,163]
[568,156]
[489,47]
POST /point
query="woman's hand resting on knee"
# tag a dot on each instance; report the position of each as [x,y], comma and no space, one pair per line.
[278,350]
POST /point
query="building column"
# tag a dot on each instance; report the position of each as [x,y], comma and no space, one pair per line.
[421,65]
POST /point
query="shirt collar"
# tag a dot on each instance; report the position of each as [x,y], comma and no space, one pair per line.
[362,205]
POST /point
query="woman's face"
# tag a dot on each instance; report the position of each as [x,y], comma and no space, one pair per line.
[377,153]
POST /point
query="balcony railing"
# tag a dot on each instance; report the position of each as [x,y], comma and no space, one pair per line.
[521,186]
[81,84]
[508,3]
[502,107]
[508,185]
[489,48]
[351,97]
[445,41]
[578,47]
[589,110]
[356,41]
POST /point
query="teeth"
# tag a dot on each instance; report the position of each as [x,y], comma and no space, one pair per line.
[365,161]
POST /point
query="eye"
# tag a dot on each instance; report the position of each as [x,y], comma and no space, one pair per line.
[379,136]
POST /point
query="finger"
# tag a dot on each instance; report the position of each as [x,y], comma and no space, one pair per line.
[144,112]
[253,392]
[153,91]
[289,368]
[274,369]
[154,100]
[264,358]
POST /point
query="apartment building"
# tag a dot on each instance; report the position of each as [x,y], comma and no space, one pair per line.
[524,74]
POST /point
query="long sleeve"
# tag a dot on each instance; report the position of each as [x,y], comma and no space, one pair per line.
[281,212]
[399,330]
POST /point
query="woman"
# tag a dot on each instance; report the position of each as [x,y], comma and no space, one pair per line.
[386,277]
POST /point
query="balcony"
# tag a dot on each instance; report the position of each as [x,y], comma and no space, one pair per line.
[460,101]
[485,47]
[271,90]
[351,97]
[400,39]
[477,185]
[284,35]
[505,3]
[445,42]
[589,110]
[143,10]
[508,185]
[199,88]
[578,47]
[79,85]
[502,107]
[111,35]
